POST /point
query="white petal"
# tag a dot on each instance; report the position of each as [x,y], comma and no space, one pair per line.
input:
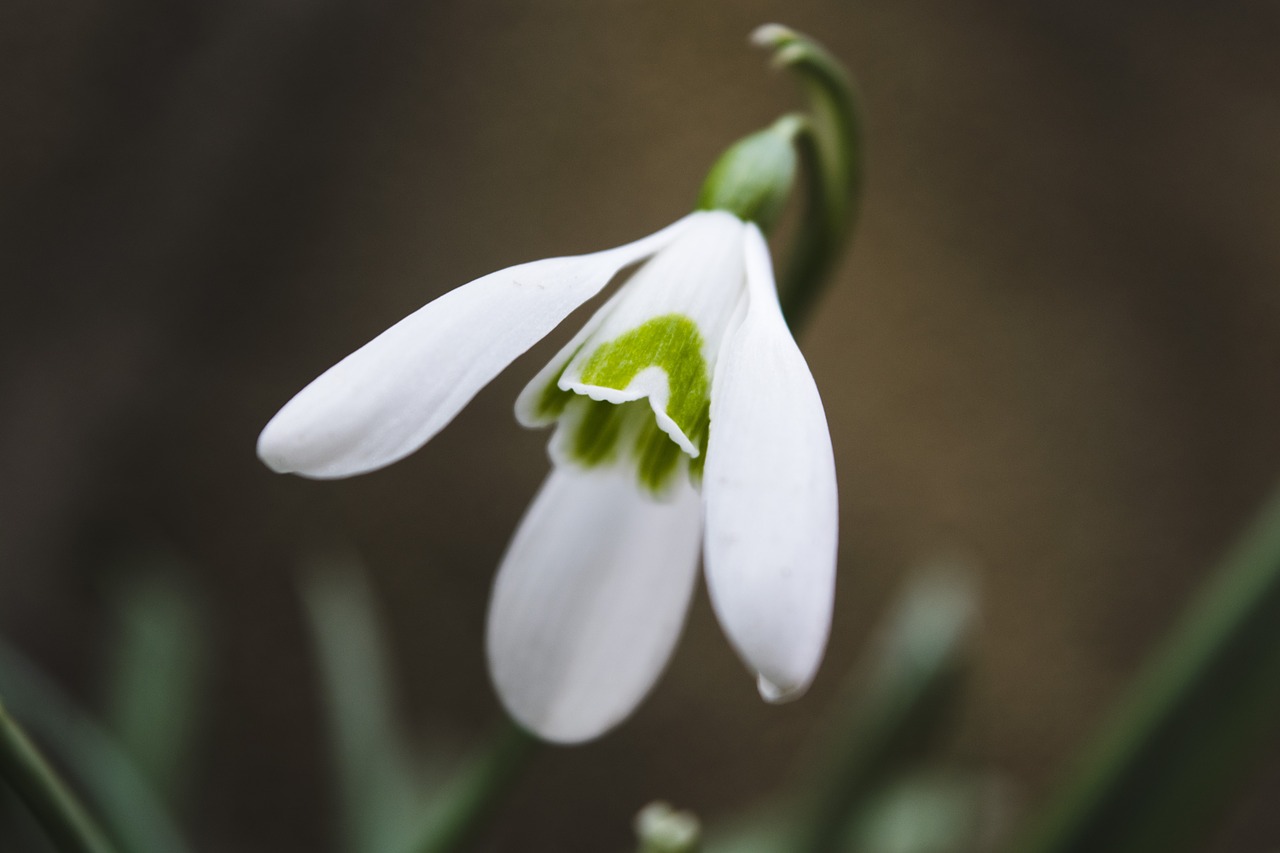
[590,600]
[769,489]
[389,397]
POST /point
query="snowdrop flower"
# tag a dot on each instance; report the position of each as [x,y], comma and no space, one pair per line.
[687,374]
[685,424]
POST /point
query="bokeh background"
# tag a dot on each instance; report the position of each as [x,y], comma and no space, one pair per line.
[1053,350]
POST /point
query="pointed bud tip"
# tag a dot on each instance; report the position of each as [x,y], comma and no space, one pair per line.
[753,177]
[771,35]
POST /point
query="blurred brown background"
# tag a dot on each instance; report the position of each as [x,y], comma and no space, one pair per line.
[1054,349]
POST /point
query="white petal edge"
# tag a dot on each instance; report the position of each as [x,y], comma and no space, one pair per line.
[769,492]
[388,398]
[590,600]
[527,414]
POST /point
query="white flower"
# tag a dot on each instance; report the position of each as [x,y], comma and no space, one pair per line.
[592,592]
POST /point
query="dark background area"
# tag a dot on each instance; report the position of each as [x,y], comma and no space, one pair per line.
[1053,350]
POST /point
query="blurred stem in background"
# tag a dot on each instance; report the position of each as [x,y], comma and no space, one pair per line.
[870,775]
[66,821]
[126,799]
[157,675]
[1193,725]
[389,802]
[899,703]
[457,815]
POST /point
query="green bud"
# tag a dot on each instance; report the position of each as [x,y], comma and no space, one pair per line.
[753,178]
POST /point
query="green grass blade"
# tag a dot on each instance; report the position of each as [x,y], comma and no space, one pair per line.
[133,815]
[158,679]
[1193,726]
[904,694]
[65,820]
[377,786]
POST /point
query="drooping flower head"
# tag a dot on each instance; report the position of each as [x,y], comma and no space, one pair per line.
[685,423]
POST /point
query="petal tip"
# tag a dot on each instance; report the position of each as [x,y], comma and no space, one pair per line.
[273,450]
[776,694]
[551,730]
[291,445]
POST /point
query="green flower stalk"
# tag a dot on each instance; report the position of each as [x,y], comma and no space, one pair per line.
[830,145]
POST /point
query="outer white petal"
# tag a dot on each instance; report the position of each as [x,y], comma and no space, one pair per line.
[590,600]
[389,397]
[769,489]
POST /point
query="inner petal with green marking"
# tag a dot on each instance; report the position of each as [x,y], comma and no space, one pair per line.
[600,403]
[663,359]
[655,341]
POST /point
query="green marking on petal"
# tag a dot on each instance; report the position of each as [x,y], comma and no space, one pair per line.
[599,433]
[597,430]
[551,402]
[596,438]
[657,458]
[673,343]
[699,462]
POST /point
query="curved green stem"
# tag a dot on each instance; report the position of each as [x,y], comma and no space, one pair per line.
[62,816]
[815,249]
[831,146]
[461,813]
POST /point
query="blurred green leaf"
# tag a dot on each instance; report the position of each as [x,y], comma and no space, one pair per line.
[1192,727]
[899,700]
[394,799]
[158,677]
[378,790]
[65,820]
[459,807]
[769,831]
[928,812]
[130,810]
[18,828]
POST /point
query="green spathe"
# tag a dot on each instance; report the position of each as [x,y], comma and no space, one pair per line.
[753,178]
